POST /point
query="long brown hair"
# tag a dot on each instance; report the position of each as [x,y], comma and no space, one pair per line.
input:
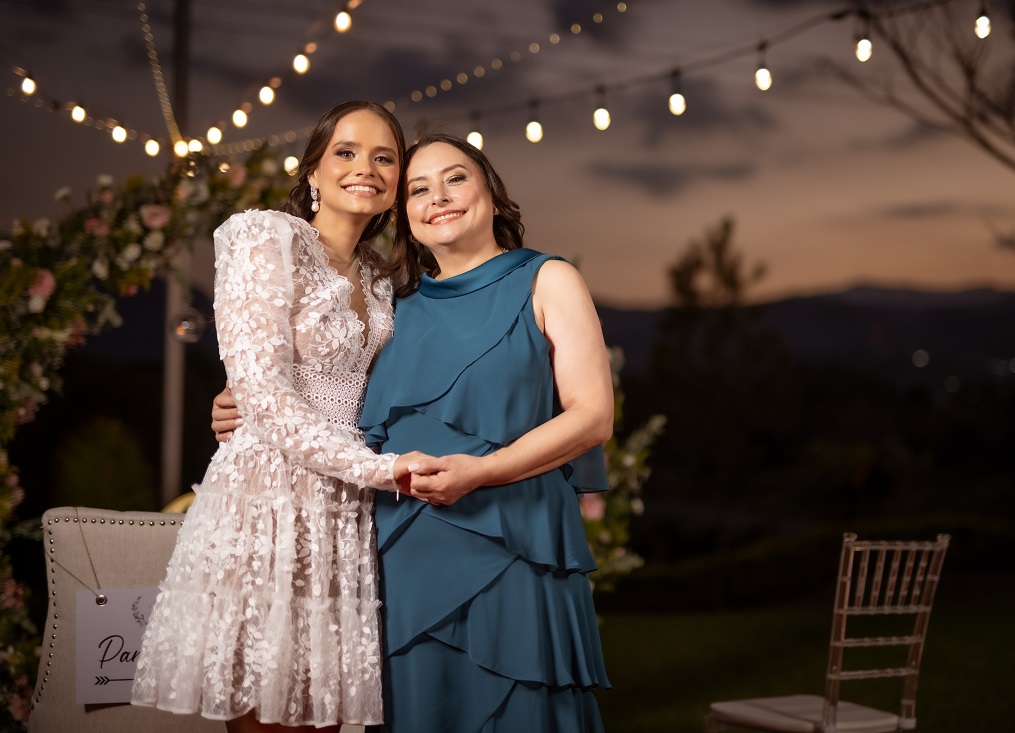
[411,257]
[298,201]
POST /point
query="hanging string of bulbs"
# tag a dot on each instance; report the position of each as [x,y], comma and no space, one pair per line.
[29,89]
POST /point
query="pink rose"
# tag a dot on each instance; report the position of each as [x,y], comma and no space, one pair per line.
[107,197]
[593,507]
[43,284]
[236,175]
[96,227]
[154,216]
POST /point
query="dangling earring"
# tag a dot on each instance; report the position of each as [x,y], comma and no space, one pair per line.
[315,204]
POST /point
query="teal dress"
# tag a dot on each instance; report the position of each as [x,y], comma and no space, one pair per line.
[487,616]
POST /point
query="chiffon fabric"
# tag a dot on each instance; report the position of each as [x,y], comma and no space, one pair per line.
[270,599]
[488,621]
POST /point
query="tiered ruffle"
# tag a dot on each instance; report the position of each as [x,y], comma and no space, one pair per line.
[488,617]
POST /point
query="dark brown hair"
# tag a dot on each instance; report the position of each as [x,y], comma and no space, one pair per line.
[411,257]
[298,201]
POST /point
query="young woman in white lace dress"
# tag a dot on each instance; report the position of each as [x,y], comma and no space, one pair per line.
[268,613]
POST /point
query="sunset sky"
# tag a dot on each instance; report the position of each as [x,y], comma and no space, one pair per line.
[826,188]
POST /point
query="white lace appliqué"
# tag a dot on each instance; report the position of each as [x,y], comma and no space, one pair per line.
[270,599]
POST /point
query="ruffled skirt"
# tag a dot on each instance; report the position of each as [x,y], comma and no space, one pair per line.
[270,600]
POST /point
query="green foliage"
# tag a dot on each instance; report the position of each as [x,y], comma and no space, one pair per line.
[608,515]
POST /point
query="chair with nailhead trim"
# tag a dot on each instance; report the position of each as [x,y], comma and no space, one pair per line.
[128,550]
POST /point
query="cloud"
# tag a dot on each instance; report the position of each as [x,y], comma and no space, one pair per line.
[662,181]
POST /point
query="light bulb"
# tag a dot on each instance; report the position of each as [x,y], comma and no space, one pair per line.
[78,114]
[343,21]
[214,135]
[28,85]
[534,131]
[119,134]
[180,148]
[151,147]
[475,139]
[763,78]
[266,95]
[301,63]
[601,118]
[195,146]
[239,118]
[982,28]
[678,105]
[864,49]
[291,163]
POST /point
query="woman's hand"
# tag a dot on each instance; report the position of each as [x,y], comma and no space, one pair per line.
[225,416]
[443,481]
[404,465]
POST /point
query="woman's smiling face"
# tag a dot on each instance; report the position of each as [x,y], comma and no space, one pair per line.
[447,200]
[358,173]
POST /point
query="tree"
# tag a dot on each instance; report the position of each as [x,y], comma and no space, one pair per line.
[720,376]
[961,84]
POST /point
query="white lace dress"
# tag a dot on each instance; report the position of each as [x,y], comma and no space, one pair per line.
[270,599]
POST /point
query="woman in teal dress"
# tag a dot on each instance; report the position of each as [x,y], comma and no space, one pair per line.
[498,365]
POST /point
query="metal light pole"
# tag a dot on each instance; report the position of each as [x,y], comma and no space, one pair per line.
[176,286]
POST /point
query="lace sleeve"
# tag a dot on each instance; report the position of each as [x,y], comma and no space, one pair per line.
[253,299]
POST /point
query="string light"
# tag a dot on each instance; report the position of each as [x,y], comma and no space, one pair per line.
[534,130]
[168,116]
[119,134]
[475,137]
[301,64]
[343,22]
[678,105]
[290,164]
[601,117]
[763,77]
[214,135]
[864,47]
[28,86]
[982,27]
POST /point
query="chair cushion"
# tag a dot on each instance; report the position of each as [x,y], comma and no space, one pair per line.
[801,714]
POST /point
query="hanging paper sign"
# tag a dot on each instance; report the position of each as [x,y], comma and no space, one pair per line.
[109,630]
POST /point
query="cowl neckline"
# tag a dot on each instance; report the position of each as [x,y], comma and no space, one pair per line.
[478,277]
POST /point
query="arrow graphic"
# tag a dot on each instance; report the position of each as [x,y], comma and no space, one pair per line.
[107,680]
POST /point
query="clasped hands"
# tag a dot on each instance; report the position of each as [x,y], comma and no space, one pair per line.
[440,481]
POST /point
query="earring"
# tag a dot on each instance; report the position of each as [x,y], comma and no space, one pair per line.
[315,204]
[496,211]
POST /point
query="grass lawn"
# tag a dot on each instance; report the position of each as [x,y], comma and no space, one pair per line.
[666,669]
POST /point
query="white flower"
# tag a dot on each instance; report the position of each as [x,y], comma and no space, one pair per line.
[41,227]
[131,252]
[104,180]
[62,194]
[637,507]
[132,225]
[100,268]
[154,241]
[36,304]
[16,228]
